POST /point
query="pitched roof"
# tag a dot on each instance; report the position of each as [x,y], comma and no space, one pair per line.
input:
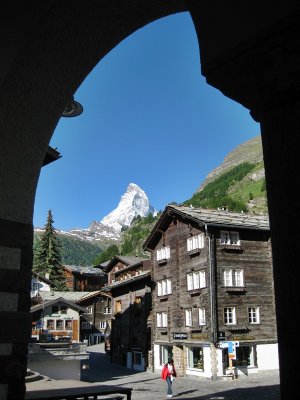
[76,297]
[48,303]
[208,218]
[84,270]
[127,260]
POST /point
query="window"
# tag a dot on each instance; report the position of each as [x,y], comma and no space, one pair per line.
[54,309]
[89,310]
[63,309]
[137,358]
[163,253]
[118,306]
[59,324]
[138,302]
[102,324]
[202,317]
[195,358]
[86,325]
[69,324]
[196,280]
[229,315]
[50,324]
[245,356]
[233,277]
[253,315]
[164,287]
[188,318]
[195,242]
[161,319]
[230,237]
[165,352]
[106,310]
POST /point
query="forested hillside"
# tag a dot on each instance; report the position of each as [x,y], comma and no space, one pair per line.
[75,251]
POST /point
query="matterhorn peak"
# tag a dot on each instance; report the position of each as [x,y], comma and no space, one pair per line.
[133,203]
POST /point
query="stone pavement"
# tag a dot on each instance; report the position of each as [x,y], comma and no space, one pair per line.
[149,386]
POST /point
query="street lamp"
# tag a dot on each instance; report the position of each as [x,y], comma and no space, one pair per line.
[72,109]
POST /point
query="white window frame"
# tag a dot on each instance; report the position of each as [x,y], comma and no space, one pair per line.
[162,319]
[102,324]
[164,287]
[230,238]
[196,280]
[229,316]
[89,310]
[253,315]
[163,253]
[107,310]
[195,242]
[188,317]
[233,277]
[86,325]
[202,316]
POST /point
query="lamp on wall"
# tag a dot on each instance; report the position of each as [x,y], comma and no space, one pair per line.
[72,109]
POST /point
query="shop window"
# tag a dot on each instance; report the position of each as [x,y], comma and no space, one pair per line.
[195,358]
[165,352]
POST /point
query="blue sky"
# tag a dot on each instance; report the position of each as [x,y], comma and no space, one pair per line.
[149,118]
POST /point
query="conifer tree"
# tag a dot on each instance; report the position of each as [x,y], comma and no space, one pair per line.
[47,257]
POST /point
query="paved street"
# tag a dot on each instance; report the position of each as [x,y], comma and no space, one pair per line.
[148,385]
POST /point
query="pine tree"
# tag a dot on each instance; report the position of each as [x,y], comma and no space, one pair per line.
[47,257]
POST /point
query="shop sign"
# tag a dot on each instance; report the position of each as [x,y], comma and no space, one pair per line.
[200,336]
[181,336]
[221,335]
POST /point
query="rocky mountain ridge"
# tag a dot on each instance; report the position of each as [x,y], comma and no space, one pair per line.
[133,203]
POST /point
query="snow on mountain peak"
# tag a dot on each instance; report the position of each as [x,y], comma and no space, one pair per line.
[133,203]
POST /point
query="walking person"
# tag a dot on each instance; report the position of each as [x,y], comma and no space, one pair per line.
[168,374]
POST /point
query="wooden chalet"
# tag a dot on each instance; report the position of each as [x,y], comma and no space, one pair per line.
[129,282]
[82,279]
[96,320]
[213,302]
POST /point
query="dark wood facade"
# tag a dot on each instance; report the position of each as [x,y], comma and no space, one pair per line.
[130,286]
[95,324]
[213,284]
[84,279]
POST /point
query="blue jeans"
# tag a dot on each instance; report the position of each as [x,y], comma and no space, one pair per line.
[169,385]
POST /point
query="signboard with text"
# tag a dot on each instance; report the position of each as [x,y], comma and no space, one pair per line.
[181,336]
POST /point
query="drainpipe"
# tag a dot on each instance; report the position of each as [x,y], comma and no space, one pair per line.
[213,294]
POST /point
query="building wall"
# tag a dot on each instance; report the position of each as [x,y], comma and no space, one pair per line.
[254,256]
